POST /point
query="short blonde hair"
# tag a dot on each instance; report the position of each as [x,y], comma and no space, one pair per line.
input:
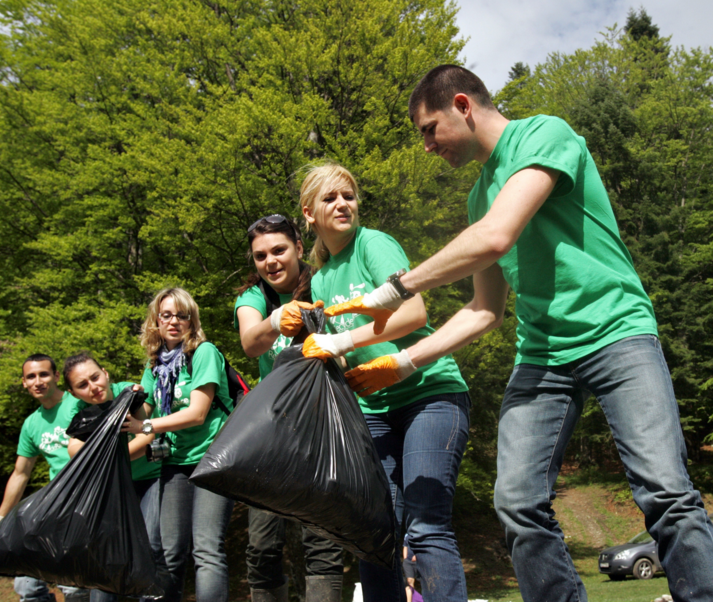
[319,178]
[151,338]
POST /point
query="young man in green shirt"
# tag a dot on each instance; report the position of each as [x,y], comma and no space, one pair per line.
[43,432]
[542,224]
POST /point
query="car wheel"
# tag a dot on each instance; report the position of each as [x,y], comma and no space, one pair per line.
[617,577]
[644,569]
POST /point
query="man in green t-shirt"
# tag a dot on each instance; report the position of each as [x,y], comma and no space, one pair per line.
[43,432]
[542,225]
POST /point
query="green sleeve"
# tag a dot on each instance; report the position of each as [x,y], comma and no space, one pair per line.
[208,366]
[550,142]
[26,446]
[252,297]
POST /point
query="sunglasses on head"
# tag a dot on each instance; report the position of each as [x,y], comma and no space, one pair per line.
[275,218]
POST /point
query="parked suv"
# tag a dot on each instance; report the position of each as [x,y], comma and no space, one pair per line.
[638,557]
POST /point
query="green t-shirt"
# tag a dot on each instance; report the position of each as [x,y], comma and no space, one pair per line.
[141,468]
[575,283]
[254,298]
[363,265]
[188,445]
[45,432]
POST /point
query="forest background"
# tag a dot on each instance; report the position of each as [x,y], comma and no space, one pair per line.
[139,139]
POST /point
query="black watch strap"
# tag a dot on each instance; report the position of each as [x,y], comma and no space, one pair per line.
[395,280]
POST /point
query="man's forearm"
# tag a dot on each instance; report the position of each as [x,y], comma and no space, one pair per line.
[13,492]
[462,329]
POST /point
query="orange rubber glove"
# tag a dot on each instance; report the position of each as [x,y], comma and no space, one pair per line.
[380,373]
[324,346]
[379,304]
[287,319]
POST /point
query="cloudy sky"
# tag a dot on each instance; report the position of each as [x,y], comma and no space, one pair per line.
[503,32]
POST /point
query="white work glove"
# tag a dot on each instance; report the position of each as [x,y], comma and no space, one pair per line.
[324,346]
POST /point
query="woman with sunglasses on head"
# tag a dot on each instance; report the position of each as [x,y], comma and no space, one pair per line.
[420,424]
[189,419]
[281,279]
[89,382]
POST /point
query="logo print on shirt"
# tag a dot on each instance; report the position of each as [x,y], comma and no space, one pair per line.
[346,321]
[280,343]
[51,442]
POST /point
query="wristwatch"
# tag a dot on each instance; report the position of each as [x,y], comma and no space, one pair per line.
[147,427]
[395,280]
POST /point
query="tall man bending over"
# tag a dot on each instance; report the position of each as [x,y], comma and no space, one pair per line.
[43,432]
[542,224]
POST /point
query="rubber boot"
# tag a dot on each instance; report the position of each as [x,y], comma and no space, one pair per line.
[323,588]
[279,594]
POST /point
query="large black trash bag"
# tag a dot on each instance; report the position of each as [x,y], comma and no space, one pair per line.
[86,528]
[298,446]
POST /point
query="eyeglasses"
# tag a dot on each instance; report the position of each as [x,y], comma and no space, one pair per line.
[275,218]
[167,316]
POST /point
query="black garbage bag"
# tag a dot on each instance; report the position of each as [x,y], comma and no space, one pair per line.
[298,446]
[86,528]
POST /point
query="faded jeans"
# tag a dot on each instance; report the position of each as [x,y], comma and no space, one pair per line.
[35,590]
[421,446]
[541,407]
[192,513]
[264,553]
[148,492]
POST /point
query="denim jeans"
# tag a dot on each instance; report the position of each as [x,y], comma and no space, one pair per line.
[264,553]
[540,409]
[148,492]
[421,446]
[192,513]
[31,589]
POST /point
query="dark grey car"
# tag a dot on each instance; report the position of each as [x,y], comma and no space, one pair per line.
[638,557]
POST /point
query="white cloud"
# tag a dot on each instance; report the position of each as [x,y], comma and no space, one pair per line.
[507,31]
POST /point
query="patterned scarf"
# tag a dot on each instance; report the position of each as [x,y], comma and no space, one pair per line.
[168,365]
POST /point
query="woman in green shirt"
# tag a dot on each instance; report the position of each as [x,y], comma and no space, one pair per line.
[89,382]
[420,424]
[189,420]
[280,277]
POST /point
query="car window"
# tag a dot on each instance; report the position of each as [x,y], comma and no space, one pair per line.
[642,537]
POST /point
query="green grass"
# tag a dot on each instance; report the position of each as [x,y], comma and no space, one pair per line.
[599,588]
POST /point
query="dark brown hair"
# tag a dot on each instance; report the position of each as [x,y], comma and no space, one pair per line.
[438,87]
[303,290]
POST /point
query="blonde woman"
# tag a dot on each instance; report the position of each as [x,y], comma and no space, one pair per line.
[420,424]
[190,420]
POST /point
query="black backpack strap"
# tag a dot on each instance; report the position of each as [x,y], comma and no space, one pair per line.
[235,381]
[272,299]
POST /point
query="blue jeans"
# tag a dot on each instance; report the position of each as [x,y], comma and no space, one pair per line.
[421,447]
[540,409]
[31,589]
[264,553]
[189,512]
[148,492]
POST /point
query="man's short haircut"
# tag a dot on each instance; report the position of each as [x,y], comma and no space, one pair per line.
[40,357]
[438,87]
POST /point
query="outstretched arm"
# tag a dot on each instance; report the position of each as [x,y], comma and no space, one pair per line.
[16,483]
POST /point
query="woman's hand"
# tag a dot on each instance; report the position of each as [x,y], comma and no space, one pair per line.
[132,425]
[287,319]
[323,346]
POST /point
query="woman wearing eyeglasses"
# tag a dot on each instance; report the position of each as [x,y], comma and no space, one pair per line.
[190,420]
[420,424]
[281,279]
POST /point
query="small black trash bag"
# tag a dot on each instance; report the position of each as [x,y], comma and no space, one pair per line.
[85,528]
[298,446]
